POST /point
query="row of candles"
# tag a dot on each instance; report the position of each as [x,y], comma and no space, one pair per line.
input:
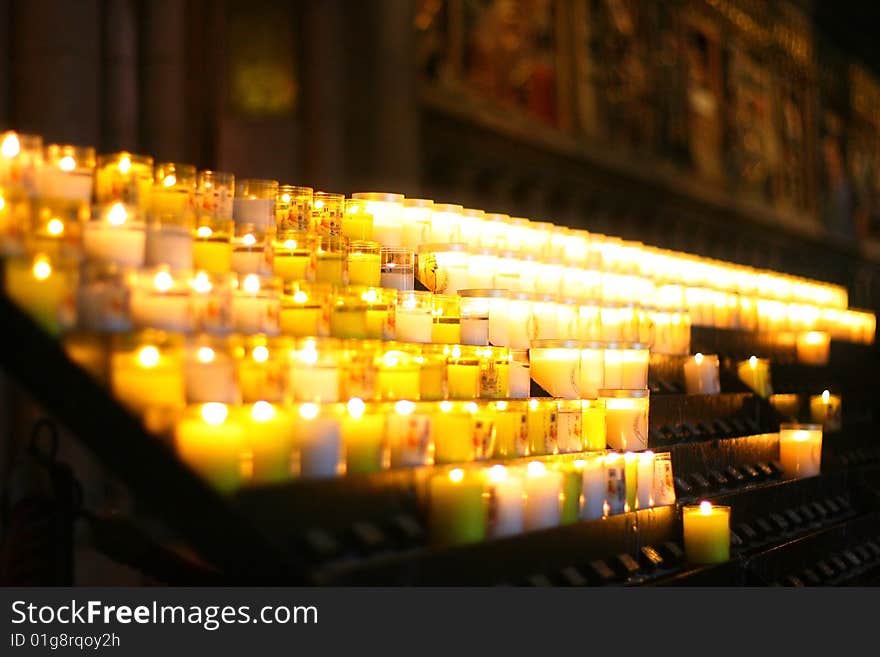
[208,220]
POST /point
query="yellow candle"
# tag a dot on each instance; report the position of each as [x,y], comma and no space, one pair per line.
[454,432]
[211,443]
[555,366]
[270,440]
[800,449]
[706,533]
[511,429]
[363,264]
[363,435]
[626,418]
[463,374]
[330,263]
[631,465]
[825,410]
[44,291]
[259,372]
[456,508]
[542,426]
[813,347]
[432,376]
[212,251]
[755,373]
[397,376]
[446,313]
[147,378]
[787,405]
[593,423]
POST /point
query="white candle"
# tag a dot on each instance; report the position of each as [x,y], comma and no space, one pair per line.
[319,439]
[613,366]
[591,376]
[209,375]
[543,489]
[506,508]
[555,366]
[475,331]
[800,449]
[399,278]
[634,374]
[701,375]
[312,378]
[593,488]
[259,212]
[412,326]
[645,481]
[170,245]
[167,312]
[115,239]
[615,484]
[71,185]
[409,433]
[626,418]
[569,426]
[520,323]
[254,310]
[664,484]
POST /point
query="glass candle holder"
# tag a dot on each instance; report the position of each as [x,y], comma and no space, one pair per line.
[357,368]
[813,347]
[445,223]
[348,315]
[210,371]
[416,217]
[615,484]
[755,373]
[413,317]
[432,372]
[364,265]
[212,237]
[787,405]
[548,277]
[446,317]
[505,490]
[363,436]
[442,268]
[260,367]
[318,431]
[331,259]
[672,332]
[381,306]
[589,322]
[397,268]
[664,483]
[520,374]
[102,298]
[269,432]
[626,366]
[21,163]
[593,486]
[481,269]
[507,272]
[555,366]
[256,304]
[293,209]
[210,440]
[251,251]
[800,449]
[211,298]
[457,511]
[570,427]
[146,374]
[544,318]
[511,428]
[409,431]
[706,530]
[593,411]
[454,432]
[492,231]
[161,300]
[45,288]
[397,373]
[825,409]
[475,311]
[542,426]
[566,319]
[314,370]
[463,372]
[579,283]
[701,375]
[357,222]
[67,176]
[591,375]
[115,235]
[56,227]
[626,418]
[520,321]
[174,188]
[294,256]
[327,212]
[387,212]
[494,372]
[543,488]
[470,227]
[124,178]
[254,206]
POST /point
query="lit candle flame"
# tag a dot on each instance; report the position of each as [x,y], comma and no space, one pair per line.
[290,244]
[308,411]
[260,354]
[456,475]
[202,283]
[753,362]
[205,355]
[262,411]
[148,356]
[214,413]
[163,281]
[446,406]
[117,215]
[251,284]
[55,227]
[404,407]
[170,181]
[356,407]
[67,163]
[124,164]
[705,507]
[249,239]
[497,473]
[536,469]
[204,232]
[42,269]
[11,146]
[826,396]
[698,358]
